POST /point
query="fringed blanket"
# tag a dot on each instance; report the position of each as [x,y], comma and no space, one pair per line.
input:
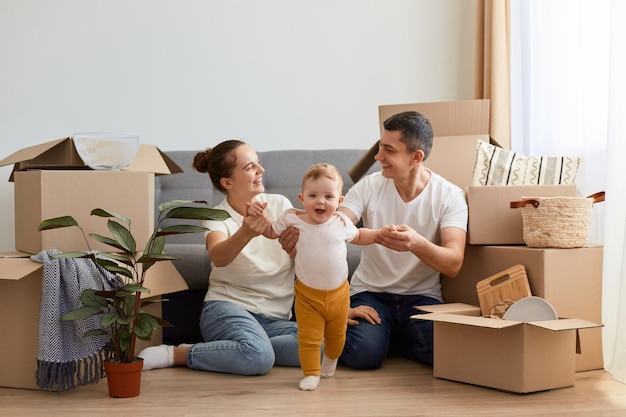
[66,359]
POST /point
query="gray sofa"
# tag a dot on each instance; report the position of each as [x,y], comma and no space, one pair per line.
[283,175]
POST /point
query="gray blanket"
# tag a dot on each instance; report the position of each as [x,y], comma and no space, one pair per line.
[66,359]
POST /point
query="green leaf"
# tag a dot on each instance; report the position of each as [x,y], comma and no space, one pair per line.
[108,241]
[95,332]
[72,255]
[154,322]
[57,222]
[178,229]
[116,269]
[143,329]
[103,213]
[135,288]
[154,246]
[81,313]
[108,319]
[173,203]
[123,236]
[89,299]
[198,213]
[155,257]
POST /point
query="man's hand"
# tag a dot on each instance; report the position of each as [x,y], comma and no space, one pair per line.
[400,237]
[366,313]
[288,240]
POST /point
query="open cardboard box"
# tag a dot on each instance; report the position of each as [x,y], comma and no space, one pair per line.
[503,354]
[569,279]
[20,299]
[51,180]
[457,127]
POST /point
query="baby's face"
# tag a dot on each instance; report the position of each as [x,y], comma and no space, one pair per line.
[321,198]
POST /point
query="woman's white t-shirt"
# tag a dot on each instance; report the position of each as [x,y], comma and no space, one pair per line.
[376,201]
[261,277]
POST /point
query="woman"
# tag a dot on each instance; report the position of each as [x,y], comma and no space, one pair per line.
[245,320]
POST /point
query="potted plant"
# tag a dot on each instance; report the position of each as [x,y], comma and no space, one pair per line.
[121,312]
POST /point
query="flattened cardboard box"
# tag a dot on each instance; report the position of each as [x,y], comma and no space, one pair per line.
[491,219]
[504,354]
[569,279]
[20,299]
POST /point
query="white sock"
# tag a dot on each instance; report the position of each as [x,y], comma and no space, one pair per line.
[155,357]
[328,367]
[309,383]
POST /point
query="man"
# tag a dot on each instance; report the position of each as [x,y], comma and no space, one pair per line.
[403,270]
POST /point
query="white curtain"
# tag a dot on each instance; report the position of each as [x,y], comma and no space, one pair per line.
[568,97]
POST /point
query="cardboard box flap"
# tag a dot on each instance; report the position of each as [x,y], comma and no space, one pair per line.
[32,152]
[62,154]
[14,269]
[467,320]
[149,158]
[493,323]
[448,118]
[163,278]
[451,308]
[565,324]
[15,254]
[54,154]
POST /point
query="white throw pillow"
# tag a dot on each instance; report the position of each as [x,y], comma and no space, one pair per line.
[497,166]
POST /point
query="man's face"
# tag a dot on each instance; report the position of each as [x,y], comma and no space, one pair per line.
[392,154]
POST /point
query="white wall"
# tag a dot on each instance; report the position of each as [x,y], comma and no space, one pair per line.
[187,74]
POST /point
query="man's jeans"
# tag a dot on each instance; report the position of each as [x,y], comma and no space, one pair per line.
[368,345]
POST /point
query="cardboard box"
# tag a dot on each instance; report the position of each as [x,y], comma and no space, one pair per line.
[41,195]
[51,180]
[457,127]
[454,157]
[569,279]
[448,118]
[491,219]
[20,295]
[503,354]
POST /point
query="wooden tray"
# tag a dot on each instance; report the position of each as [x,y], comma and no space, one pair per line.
[509,285]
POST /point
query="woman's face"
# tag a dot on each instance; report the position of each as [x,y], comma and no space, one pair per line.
[247,177]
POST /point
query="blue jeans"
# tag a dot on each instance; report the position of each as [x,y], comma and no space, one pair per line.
[368,345]
[240,342]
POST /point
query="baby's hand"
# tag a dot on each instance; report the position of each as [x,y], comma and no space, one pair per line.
[256,208]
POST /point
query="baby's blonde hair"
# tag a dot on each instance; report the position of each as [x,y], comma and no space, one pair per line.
[323,170]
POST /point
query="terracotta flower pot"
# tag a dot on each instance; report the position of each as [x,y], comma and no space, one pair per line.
[124,379]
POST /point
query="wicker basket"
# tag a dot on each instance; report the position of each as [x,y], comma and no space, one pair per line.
[557,222]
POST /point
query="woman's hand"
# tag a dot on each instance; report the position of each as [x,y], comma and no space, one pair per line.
[288,240]
[367,313]
[254,225]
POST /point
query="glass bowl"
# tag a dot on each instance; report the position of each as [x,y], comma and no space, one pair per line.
[111,151]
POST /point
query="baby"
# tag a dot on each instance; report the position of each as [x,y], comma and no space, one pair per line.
[322,290]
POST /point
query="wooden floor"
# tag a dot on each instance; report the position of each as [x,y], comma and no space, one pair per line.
[401,388]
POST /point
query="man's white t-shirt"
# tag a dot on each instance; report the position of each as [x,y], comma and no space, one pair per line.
[376,201]
[261,277]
